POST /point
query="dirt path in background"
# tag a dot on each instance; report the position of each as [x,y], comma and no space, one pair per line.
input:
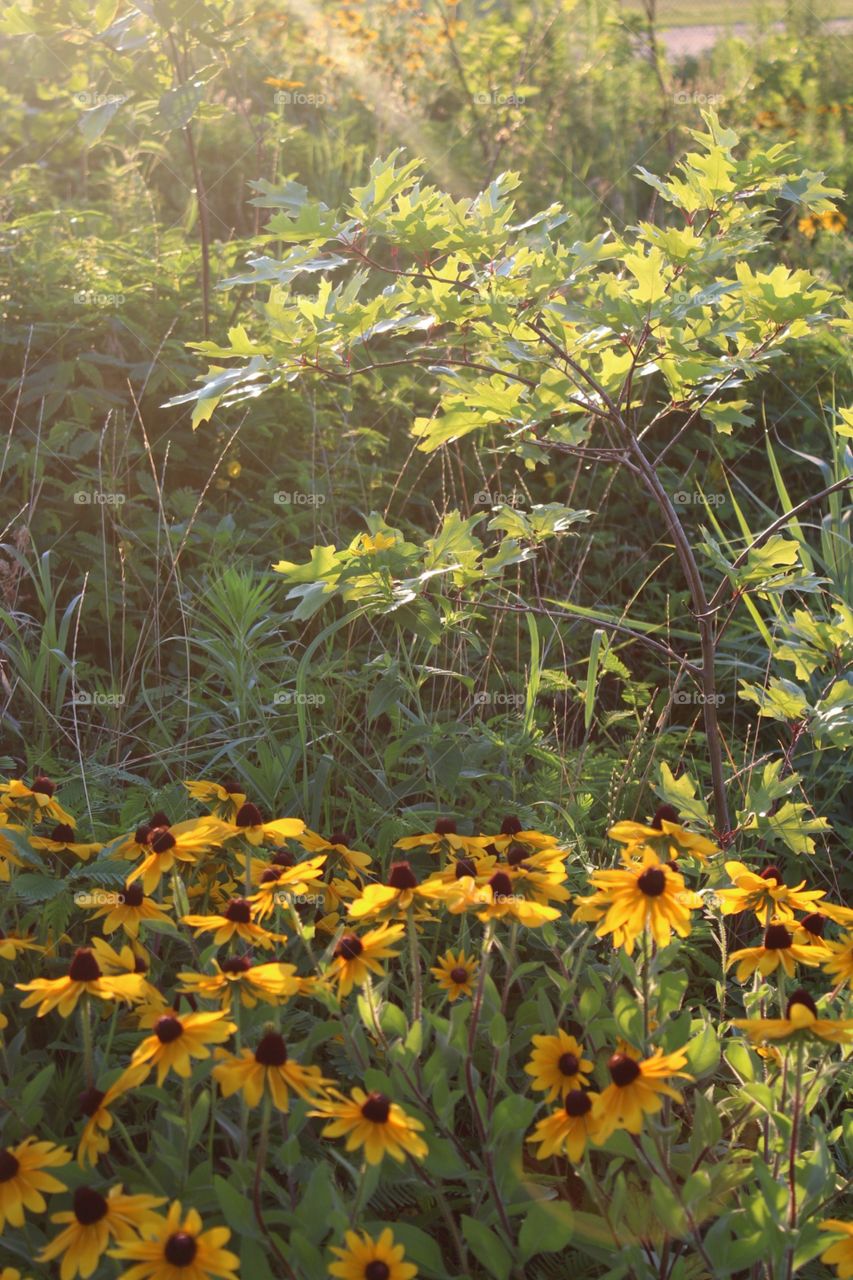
[682,42]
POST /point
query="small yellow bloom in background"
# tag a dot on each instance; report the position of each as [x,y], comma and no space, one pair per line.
[838,962]
[637,1089]
[274,983]
[61,840]
[268,1068]
[666,835]
[569,1130]
[12,944]
[95,1106]
[355,860]
[778,948]
[92,1222]
[833,221]
[839,1254]
[22,1178]
[809,225]
[180,1247]
[801,1016]
[357,957]
[557,1065]
[367,1259]
[225,798]
[455,974]
[765,893]
[36,801]
[374,1122]
[444,838]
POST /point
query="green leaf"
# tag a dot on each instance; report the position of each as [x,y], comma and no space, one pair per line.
[487,1248]
[547,1228]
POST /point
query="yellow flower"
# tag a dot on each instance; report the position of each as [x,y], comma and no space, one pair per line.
[11,944]
[839,1254]
[225,799]
[394,898]
[166,845]
[839,962]
[636,1090]
[130,909]
[280,886]
[778,948]
[809,225]
[234,922]
[250,825]
[666,835]
[180,1248]
[444,839]
[557,1065]
[61,839]
[93,1221]
[765,893]
[177,1039]
[269,1067]
[455,974]
[372,1121]
[37,801]
[22,1179]
[357,957]
[355,861]
[644,894]
[274,983]
[84,977]
[367,1259]
[569,1130]
[833,221]
[95,1105]
[499,899]
[801,1016]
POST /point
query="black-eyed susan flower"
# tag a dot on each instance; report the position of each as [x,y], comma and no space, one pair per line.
[364,1258]
[840,1253]
[178,1038]
[355,957]
[8,855]
[37,801]
[765,893]
[225,798]
[234,921]
[455,974]
[374,1122]
[92,1222]
[503,897]
[268,1068]
[180,1247]
[249,823]
[183,842]
[512,833]
[645,893]
[557,1065]
[274,983]
[777,948]
[809,225]
[401,892]
[281,886]
[833,221]
[130,909]
[23,1180]
[666,834]
[84,977]
[12,944]
[838,962]
[95,1105]
[61,840]
[637,1088]
[444,839]
[801,1018]
[570,1130]
[338,848]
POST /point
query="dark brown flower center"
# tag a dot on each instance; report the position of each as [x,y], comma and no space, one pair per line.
[516,853]
[401,876]
[181,1249]
[340,837]
[159,819]
[445,827]
[9,1165]
[283,857]
[62,834]
[501,885]
[84,967]
[89,1206]
[376,1270]
[161,840]
[132,896]
[801,997]
[141,834]
[168,1029]
[89,1101]
[464,867]
[271,1050]
[459,975]
[777,938]
[239,911]
[578,1103]
[236,964]
[510,825]
[349,947]
[568,1064]
[376,1108]
[664,813]
[231,786]
[272,875]
[814,923]
[652,882]
[623,1070]
[43,785]
[771,873]
[249,815]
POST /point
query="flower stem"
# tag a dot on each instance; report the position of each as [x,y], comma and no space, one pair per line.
[86,1035]
[415,954]
[792,1155]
